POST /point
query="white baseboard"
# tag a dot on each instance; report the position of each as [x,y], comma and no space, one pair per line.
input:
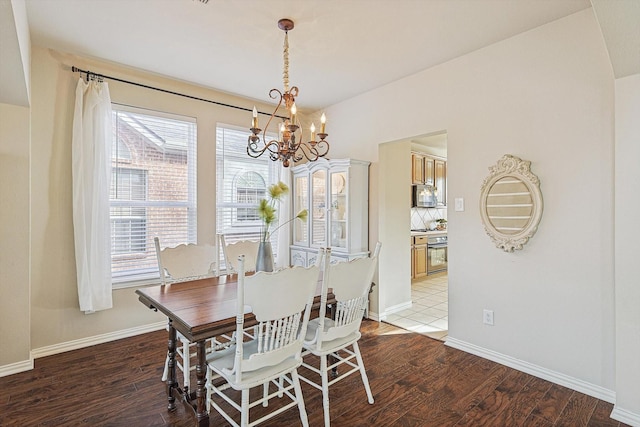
[96,339]
[625,416]
[394,309]
[535,370]
[373,316]
[16,368]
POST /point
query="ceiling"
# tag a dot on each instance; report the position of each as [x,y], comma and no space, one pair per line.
[620,24]
[338,48]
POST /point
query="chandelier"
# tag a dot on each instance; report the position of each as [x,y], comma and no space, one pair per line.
[290,144]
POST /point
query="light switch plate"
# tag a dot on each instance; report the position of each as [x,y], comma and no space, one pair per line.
[459,204]
[487,317]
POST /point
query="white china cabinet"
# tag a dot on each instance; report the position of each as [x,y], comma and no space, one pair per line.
[336,194]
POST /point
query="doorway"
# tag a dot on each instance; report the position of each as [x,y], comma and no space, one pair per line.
[418,304]
[429,312]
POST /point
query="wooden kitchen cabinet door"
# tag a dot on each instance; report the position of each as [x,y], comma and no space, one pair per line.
[413,262]
[429,170]
[425,169]
[420,260]
[440,181]
[417,169]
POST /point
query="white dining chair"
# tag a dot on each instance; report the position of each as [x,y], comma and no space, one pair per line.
[350,282]
[231,252]
[281,302]
[179,264]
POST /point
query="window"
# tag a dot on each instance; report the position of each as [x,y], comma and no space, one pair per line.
[153,189]
[250,188]
[241,182]
[128,222]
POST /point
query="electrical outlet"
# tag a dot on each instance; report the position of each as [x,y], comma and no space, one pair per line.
[487,317]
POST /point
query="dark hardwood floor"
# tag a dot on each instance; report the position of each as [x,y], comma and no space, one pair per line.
[416,381]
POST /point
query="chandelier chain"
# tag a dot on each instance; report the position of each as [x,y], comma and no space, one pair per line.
[285,72]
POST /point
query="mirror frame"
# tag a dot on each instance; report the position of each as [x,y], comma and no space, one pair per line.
[512,167]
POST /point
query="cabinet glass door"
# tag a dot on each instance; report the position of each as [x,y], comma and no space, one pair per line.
[318,208]
[339,210]
[300,201]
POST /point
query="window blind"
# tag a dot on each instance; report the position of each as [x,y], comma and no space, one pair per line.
[241,182]
[153,189]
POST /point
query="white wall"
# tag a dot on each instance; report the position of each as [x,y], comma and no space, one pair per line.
[55,316]
[546,96]
[15,45]
[14,236]
[393,189]
[627,234]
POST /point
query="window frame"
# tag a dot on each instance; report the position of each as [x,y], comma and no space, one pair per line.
[147,275]
[236,230]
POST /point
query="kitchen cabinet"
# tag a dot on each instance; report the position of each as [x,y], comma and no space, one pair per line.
[429,165]
[336,194]
[428,253]
[417,168]
[430,170]
[413,257]
[419,256]
[440,181]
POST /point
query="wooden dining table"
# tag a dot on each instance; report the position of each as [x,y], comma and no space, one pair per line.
[199,309]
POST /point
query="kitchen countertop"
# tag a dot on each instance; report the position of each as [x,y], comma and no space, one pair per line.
[428,233]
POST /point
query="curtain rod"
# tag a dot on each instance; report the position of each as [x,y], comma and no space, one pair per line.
[102,76]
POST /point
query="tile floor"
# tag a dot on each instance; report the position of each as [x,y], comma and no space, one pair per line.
[429,312]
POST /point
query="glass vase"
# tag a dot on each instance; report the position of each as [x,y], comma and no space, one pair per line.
[264,260]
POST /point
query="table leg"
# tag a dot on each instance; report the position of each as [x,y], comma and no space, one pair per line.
[172,384]
[202,415]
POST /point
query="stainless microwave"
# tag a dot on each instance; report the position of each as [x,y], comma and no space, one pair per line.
[424,196]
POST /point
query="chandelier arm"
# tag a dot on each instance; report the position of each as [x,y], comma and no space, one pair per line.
[308,151]
[301,129]
[322,148]
[255,152]
[273,94]
[298,158]
[296,150]
[274,146]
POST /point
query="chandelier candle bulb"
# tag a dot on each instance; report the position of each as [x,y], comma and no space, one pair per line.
[323,121]
[294,110]
[254,121]
[313,132]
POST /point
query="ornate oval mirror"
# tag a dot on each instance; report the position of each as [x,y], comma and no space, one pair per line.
[511,203]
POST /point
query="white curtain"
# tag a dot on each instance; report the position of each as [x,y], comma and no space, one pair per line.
[285,214]
[91,153]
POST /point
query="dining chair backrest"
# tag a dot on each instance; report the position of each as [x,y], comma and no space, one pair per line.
[186,262]
[350,283]
[232,251]
[281,302]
